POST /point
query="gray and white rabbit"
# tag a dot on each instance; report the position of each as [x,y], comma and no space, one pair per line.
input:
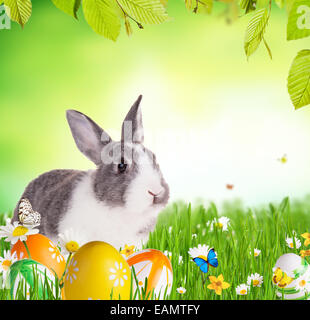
[118,202]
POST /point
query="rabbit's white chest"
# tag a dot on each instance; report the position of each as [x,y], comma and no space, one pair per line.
[95,221]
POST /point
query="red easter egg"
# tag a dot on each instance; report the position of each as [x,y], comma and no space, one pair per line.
[42,250]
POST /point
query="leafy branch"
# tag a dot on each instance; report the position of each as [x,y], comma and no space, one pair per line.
[106,17]
[18,10]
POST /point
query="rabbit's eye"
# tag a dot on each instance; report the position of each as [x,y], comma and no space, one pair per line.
[122,167]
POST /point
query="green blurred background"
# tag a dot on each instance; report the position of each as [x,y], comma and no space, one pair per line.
[211,116]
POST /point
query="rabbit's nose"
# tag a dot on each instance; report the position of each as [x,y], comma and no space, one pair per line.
[154,194]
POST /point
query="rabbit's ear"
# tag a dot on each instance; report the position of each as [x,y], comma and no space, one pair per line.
[132,128]
[88,136]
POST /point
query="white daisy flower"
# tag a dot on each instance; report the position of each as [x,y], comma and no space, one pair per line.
[222,223]
[255,280]
[194,236]
[6,261]
[180,259]
[290,242]
[242,289]
[168,254]
[14,232]
[200,250]
[256,252]
[181,290]
[70,241]
[302,284]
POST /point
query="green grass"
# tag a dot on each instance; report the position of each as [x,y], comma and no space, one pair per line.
[262,228]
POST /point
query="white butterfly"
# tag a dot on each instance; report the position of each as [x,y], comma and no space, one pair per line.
[27,216]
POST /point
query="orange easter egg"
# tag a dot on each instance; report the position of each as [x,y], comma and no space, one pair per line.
[154,266]
[42,250]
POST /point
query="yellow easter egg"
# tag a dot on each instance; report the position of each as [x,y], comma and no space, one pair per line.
[153,265]
[97,271]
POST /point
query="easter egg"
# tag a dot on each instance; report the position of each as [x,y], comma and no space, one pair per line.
[154,266]
[291,274]
[97,271]
[29,279]
[42,250]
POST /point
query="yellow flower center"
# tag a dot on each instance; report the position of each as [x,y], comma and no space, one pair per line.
[19,231]
[219,225]
[302,283]
[181,291]
[6,264]
[203,257]
[255,282]
[243,291]
[255,254]
[128,250]
[291,245]
[72,246]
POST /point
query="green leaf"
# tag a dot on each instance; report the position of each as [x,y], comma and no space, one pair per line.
[298,81]
[102,16]
[248,5]
[284,204]
[145,11]
[19,10]
[280,3]
[298,25]
[188,4]
[25,268]
[202,6]
[261,4]
[128,26]
[289,4]
[68,6]
[255,31]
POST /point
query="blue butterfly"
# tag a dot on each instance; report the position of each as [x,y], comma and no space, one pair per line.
[204,262]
